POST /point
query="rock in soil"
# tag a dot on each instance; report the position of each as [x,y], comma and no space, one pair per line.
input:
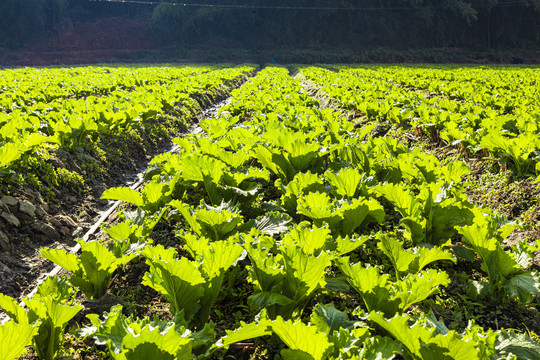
[50,233]
[10,219]
[27,208]
[4,242]
[9,201]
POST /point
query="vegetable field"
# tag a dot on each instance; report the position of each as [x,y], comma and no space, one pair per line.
[324,212]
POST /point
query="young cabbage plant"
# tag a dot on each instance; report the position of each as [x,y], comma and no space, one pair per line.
[312,239]
[381,294]
[136,228]
[49,310]
[291,153]
[302,341]
[432,215]
[191,286]
[507,271]
[154,196]
[301,185]
[330,335]
[349,183]
[93,268]
[342,216]
[216,223]
[413,260]
[421,341]
[285,282]
[221,181]
[516,151]
[133,339]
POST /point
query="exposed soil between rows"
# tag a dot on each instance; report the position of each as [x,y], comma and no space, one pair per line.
[30,220]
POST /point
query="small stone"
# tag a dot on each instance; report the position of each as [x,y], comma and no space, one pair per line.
[54,222]
[4,242]
[40,213]
[25,219]
[27,208]
[45,207]
[72,199]
[64,231]
[10,219]
[47,230]
[9,200]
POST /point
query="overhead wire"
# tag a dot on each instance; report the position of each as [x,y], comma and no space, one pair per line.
[319,8]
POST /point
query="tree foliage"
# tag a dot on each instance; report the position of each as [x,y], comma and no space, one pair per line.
[308,24]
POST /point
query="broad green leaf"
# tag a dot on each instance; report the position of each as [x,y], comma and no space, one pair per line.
[179,281]
[245,332]
[496,262]
[418,287]
[62,258]
[402,199]
[427,256]
[375,289]
[298,336]
[59,314]
[124,194]
[266,298]
[345,245]
[449,346]
[16,312]
[400,259]
[300,185]
[310,239]
[346,182]
[14,338]
[156,343]
[319,207]
[305,273]
[92,269]
[10,152]
[523,286]
[329,319]
[519,345]
[409,336]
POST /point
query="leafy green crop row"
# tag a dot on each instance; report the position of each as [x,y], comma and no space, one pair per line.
[487,116]
[67,122]
[30,86]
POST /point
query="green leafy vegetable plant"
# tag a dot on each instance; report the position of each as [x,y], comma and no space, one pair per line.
[507,272]
[191,286]
[132,339]
[49,310]
[431,215]
[93,268]
[380,293]
[287,281]
[342,216]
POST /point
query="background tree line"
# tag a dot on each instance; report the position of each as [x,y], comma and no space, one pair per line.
[269,23]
